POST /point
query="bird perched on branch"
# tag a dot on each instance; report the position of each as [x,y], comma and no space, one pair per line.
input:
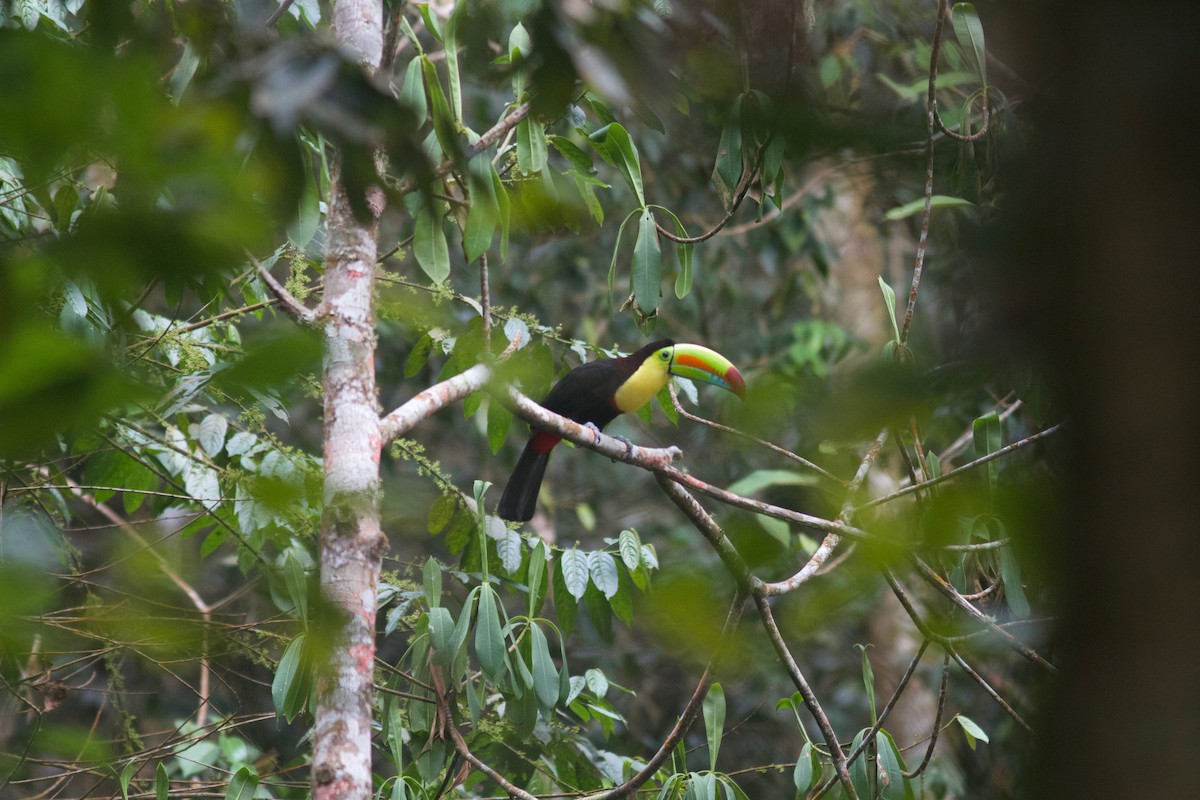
[596,392]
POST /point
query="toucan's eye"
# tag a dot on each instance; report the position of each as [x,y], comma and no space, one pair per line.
[665,355]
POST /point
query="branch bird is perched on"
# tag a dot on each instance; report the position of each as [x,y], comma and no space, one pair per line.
[597,392]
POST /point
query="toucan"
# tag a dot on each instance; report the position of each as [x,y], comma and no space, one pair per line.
[598,391]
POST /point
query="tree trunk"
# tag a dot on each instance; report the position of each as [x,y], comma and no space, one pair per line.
[352,544]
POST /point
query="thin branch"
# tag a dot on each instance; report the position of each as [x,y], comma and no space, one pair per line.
[301,313]
[966,137]
[489,138]
[683,412]
[686,718]
[983,684]
[716,537]
[883,715]
[197,601]
[810,697]
[930,112]
[278,13]
[401,420]
[958,471]
[937,718]
[942,585]
[460,744]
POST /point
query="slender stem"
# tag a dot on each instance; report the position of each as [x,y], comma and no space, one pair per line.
[931,110]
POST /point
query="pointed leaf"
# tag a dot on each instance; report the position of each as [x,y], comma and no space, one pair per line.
[647,264]
[603,570]
[1014,590]
[499,420]
[918,206]
[489,639]
[630,547]
[412,91]
[531,146]
[510,549]
[971,730]
[429,243]
[545,674]
[573,566]
[432,574]
[714,721]
[242,785]
[290,687]
[969,31]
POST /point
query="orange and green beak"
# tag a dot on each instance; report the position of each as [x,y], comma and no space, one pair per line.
[697,363]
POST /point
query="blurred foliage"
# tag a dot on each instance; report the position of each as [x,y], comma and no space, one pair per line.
[160,463]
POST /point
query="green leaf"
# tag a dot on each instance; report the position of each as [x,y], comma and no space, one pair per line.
[451,51]
[804,774]
[535,578]
[297,585]
[432,574]
[969,31]
[630,548]
[125,776]
[988,439]
[502,212]
[484,214]
[440,514]
[489,638]
[918,206]
[242,785]
[714,721]
[290,687]
[531,146]
[499,419]
[456,647]
[617,149]
[510,549]
[412,91]
[859,775]
[647,264]
[1014,590]
[889,301]
[566,605]
[545,674]
[520,46]
[162,784]
[971,730]
[868,681]
[573,566]
[727,171]
[429,243]
[891,766]
[444,122]
[762,478]
[441,634]
[432,23]
[603,571]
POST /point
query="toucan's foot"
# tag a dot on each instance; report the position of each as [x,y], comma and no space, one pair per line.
[596,431]
[628,446]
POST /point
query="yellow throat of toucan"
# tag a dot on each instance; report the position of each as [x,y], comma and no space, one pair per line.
[646,381]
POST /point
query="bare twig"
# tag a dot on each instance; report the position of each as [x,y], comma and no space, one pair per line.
[958,471]
[931,110]
[278,13]
[883,715]
[983,684]
[296,309]
[810,698]
[937,718]
[942,585]
[683,412]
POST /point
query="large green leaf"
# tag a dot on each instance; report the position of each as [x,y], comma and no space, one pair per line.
[647,264]
[489,638]
[714,721]
[969,31]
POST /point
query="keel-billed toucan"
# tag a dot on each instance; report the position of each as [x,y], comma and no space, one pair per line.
[598,391]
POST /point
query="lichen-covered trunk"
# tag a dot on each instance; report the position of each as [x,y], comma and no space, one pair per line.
[352,544]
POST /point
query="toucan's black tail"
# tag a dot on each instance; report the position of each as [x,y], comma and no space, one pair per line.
[521,494]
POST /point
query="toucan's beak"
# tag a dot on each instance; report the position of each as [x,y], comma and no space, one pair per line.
[708,366]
